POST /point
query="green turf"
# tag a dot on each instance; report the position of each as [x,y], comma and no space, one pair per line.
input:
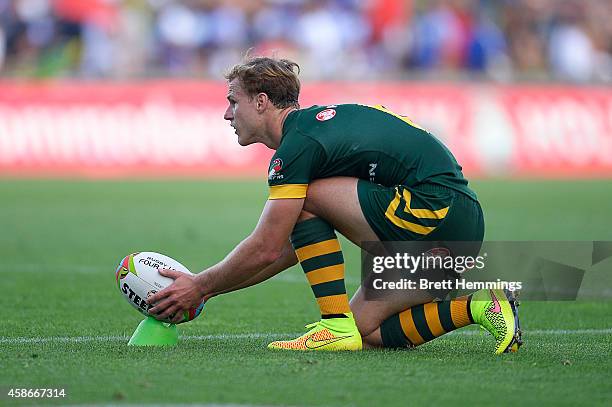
[61,241]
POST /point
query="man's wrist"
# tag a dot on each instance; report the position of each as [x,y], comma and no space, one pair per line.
[201,283]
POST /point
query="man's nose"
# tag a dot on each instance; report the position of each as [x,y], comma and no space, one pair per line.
[228,114]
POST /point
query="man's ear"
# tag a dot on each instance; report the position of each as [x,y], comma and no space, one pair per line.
[262,101]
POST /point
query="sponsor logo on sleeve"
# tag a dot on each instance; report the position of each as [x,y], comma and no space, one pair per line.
[276,166]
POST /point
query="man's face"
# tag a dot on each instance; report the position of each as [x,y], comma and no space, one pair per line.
[242,114]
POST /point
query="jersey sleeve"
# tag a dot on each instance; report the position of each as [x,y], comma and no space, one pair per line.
[293,166]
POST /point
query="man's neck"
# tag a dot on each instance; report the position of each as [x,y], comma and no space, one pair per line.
[276,130]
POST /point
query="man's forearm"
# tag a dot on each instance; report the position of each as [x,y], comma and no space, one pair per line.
[247,260]
[286,260]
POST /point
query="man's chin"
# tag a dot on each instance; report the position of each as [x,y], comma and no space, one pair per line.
[244,142]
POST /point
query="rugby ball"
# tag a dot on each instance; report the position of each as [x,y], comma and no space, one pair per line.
[137,278]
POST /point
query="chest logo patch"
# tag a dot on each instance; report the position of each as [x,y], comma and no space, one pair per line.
[326,114]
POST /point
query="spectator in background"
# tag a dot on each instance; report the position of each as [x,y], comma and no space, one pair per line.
[331,36]
[133,40]
[524,24]
[2,47]
[180,31]
[567,40]
[571,52]
[487,50]
[438,37]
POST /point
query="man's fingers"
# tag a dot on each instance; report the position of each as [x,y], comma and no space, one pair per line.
[172,310]
[173,274]
[157,297]
[160,307]
[167,300]
[177,318]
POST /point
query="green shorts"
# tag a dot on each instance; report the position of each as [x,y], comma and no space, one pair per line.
[437,219]
[427,212]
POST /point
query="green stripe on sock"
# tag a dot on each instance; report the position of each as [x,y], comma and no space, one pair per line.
[329,288]
[392,334]
[446,319]
[418,316]
[311,231]
[330,259]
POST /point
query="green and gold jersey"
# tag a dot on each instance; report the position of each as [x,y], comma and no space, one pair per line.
[366,142]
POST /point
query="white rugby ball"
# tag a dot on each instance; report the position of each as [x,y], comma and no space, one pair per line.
[138,278]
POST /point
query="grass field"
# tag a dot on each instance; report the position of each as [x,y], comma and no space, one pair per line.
[64,324]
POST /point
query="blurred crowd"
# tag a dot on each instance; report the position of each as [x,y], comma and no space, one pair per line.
[501,40]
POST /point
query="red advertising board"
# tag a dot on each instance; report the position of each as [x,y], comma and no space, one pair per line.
[559,132]
[169,128]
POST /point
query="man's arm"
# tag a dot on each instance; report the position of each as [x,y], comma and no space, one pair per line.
[287,259]
[261,249]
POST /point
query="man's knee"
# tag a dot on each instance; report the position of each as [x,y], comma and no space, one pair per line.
[364,328]
[364,324]
[373,340]
[370,332]
[305,215]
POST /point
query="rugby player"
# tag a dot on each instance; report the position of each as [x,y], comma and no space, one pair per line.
[371,175]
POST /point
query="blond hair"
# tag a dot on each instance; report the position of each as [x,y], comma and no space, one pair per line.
[277,78]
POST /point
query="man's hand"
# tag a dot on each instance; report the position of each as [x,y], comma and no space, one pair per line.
[180,296]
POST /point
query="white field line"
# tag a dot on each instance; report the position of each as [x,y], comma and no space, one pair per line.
[258,335]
